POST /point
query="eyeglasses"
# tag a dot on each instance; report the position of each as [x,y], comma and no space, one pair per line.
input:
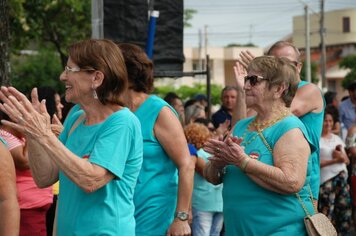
[254,79]
[67,69]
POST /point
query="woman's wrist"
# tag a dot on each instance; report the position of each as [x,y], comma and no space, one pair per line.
[244,163]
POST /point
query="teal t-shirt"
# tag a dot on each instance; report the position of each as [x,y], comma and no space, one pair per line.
[157,186]
[250,209]
[116,145]
[314,124]
[206,196]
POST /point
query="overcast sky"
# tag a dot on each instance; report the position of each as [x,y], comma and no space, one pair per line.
[260,22]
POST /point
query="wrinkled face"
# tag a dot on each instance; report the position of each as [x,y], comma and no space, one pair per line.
[59,106]
[328,123]
[78,84]
[229,99]
[257,94]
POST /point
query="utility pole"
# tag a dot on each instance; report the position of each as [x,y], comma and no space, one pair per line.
[205,43]
[322,47]
[97,19]
[200,45]
[307,44]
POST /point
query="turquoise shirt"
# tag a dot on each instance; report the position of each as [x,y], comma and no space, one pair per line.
[157,186]
[3,141]
[206,196]
[250,209]
[116,145]
[314,124]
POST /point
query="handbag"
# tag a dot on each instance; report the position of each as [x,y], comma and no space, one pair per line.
[317,224]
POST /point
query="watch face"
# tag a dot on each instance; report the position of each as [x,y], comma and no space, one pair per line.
[182,215]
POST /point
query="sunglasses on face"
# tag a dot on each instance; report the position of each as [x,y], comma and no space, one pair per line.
[254,79]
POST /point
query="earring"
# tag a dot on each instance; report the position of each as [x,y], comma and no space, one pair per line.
[95,95]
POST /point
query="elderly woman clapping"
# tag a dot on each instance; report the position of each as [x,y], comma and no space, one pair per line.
[99,153]
[266,162]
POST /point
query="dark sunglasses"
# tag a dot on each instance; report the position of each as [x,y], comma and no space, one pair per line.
[254,79]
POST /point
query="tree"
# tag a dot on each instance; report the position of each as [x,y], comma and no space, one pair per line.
[49,23]
[188,16]
[349,62]
[4,42]
[313,72]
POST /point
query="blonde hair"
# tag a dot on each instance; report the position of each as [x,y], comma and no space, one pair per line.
[197,134]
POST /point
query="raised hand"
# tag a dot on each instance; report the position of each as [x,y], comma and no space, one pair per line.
[240,73]
[25,118]
[245,58]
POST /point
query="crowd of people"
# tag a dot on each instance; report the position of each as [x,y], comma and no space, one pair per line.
[127,162]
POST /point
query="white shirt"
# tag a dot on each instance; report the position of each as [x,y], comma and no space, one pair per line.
[327,146]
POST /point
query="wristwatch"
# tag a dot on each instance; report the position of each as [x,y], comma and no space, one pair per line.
[181,215]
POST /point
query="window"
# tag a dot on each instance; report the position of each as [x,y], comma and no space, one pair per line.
[346,24]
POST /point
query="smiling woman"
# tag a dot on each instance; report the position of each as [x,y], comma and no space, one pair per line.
[99,153]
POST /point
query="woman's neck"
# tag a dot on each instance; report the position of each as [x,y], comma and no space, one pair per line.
[135,99]
[97,112]
[326,134]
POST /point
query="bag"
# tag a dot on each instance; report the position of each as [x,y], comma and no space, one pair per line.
[319,225]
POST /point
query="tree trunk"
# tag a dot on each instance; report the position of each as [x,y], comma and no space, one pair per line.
[4,43]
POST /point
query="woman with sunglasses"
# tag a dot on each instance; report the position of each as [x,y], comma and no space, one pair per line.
[266,163]
[98,156]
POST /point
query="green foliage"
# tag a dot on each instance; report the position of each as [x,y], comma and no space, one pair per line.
[349,62]
[313,72]
[186,92]
[188,16]
[40,69]
[49,22]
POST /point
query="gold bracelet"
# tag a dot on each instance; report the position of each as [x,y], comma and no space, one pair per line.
[244,163]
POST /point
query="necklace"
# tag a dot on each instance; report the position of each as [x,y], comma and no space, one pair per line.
[260,127]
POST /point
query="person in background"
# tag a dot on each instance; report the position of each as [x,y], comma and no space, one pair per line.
[9,207]
[267,161]
[193,112]
[351,153]
[202,100]
[334,198]
[174,100]
[34,202]
[207,203]
[59,106]
[308,103]
[98,155]
[332,102]
[347,107]
[162,197]
[229,102]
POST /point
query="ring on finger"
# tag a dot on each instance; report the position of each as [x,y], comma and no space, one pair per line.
[218,150]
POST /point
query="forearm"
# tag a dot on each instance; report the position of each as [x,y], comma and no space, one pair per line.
[240,110]
[213,174]
[284,181]
[44,169]
[185,187]
[83,173]
[9,217]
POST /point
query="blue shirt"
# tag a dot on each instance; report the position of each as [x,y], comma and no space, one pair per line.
[314,124]
[116,145]
[157,187]
[347,113]
[250,209]
[206,196]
